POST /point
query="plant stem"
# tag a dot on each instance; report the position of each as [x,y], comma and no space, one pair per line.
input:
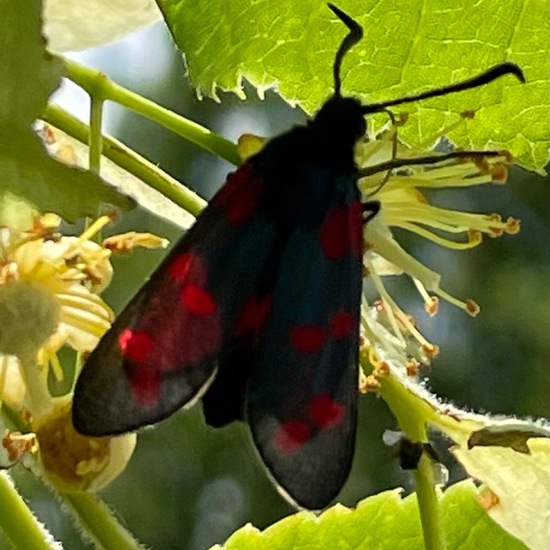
[94,141]
[428,504]
[100,87]
[99,522]
[412,415]
[18,522]
[128,160]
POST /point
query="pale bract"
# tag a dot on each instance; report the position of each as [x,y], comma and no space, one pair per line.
[73,25]
[64,148]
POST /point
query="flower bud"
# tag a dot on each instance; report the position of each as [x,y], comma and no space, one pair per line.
[73,462]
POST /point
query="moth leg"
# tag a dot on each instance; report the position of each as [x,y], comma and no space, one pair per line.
[370,209]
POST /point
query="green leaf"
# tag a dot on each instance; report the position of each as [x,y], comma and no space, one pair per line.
[409,45]
[380,522]
[28,75]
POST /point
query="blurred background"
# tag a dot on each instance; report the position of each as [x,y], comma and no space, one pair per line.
[189,486]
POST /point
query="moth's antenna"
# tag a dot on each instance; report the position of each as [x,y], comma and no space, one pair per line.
[484,78]
[430,159]
[355,34]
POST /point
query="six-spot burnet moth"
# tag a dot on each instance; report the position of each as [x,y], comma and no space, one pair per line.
[256,309]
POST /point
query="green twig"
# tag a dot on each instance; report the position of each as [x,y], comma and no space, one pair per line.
[412,416]
[128,160]
[95,142]
[99,522]
[18,522]
[428,504]
[101,88]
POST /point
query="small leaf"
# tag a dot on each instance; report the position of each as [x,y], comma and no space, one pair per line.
[380,522]
[28,75]
[409,45]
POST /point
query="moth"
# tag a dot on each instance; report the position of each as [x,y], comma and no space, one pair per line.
[255,311]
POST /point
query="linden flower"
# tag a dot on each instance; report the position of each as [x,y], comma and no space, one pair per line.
[47,299]
[403,205]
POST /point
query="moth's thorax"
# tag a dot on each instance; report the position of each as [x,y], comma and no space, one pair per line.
[310,168]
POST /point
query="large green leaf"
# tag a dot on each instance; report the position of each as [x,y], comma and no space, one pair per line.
[409,45]
[381,522]
[28,75]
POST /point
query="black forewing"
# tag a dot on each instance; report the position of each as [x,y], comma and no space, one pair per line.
[173,329]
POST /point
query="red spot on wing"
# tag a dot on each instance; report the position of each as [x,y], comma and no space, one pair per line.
[188,267]
[241,211]
[174,338]
[307,338]
[192,339]
[342,230]
[135,345]
[325,412]
[145,385]
[240,195]
[197,300]
[291,436]
[254,315]
[334,237]
[181,267]
[341,324]
[356,228]
[192,333]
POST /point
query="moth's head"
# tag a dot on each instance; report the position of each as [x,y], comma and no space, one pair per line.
[340,120]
